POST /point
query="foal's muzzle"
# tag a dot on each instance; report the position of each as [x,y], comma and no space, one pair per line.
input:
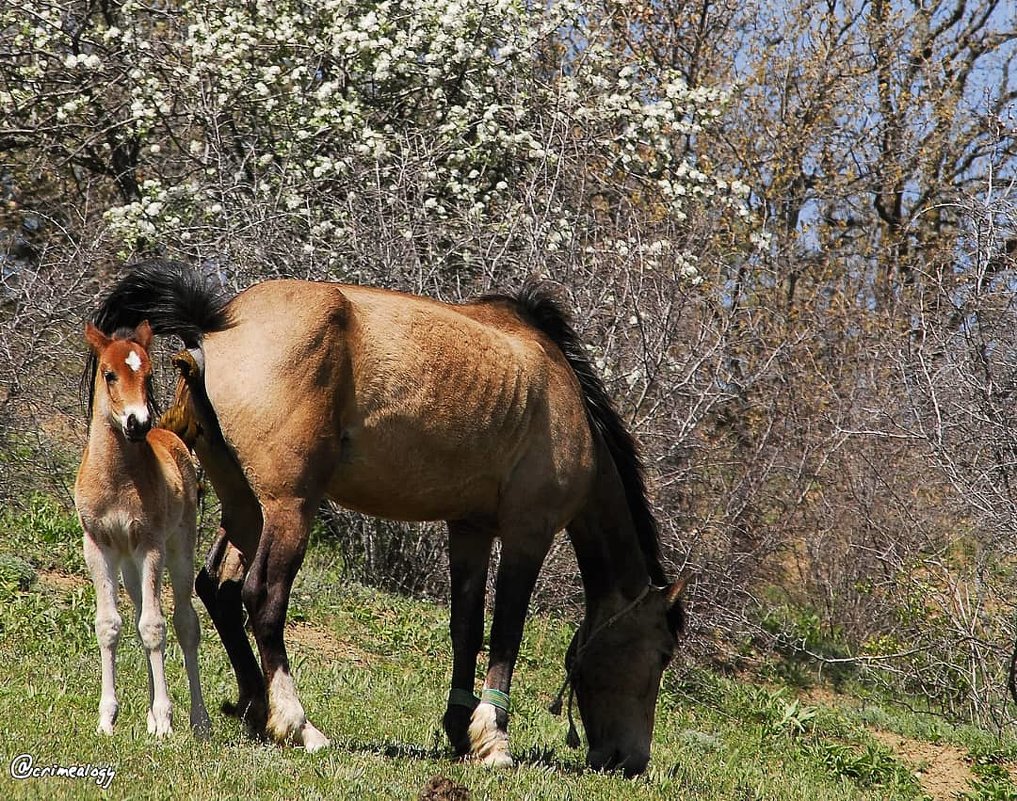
[136,430]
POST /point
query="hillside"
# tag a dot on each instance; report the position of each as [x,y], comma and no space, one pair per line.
[372,670]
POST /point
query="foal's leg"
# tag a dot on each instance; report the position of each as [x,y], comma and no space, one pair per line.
[152,631]
[180,559]
[103,565]
[521,558]
[132,582]
[266,595]
[469,554]
[219,584]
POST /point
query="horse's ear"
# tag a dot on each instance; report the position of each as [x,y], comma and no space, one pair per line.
[95,338]
[677,588]
[676,616]
[143,334]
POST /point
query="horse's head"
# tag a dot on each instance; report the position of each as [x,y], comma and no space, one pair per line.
[616,666]
[124,374]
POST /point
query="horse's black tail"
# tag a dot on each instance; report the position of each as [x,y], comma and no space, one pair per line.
[540,309]
[175,298]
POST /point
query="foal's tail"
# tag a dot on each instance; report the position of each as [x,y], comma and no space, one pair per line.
[175,298]
[540,309]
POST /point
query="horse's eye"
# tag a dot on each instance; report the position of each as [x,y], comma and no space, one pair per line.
[110,377]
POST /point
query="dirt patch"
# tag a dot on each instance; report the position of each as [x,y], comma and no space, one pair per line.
[65,582]
[322,642]
[943,770]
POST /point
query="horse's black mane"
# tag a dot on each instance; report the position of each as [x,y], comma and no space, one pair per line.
[538,307]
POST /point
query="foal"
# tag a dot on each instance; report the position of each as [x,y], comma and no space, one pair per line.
[136,495]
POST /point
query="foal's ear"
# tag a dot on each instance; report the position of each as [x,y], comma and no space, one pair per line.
[143,334]
[95,338]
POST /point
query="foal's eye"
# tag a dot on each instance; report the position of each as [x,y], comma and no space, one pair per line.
[110,377]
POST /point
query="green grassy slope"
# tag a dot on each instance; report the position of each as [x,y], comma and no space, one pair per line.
[372,671]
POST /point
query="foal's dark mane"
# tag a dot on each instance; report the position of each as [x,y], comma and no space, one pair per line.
[538,307]
[174,297]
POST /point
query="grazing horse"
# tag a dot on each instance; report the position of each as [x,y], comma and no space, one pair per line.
[486,415]
[136,495]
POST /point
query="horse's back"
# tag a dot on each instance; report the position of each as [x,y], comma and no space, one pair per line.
[394,404]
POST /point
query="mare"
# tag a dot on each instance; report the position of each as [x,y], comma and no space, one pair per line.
[136,496]
[486,414]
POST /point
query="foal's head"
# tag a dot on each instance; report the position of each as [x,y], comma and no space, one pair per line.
[122,388]
[616,669]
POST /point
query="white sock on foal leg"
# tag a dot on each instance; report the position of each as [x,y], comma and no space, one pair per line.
[152,631]
[102,564]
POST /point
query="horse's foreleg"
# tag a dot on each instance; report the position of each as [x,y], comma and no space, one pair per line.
[102,564]
[219,584]
[152,631]
[469,554]
[517,574]
[180,558]
[266,595]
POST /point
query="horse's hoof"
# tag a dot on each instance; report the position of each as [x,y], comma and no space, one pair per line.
[498,758]
[248,712]
[457,724]
[201,726]
[159,725]
[488,742]
[313,740]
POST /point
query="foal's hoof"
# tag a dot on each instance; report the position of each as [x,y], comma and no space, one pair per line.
[159,725]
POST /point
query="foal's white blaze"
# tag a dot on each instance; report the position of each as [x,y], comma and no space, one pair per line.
[133,361]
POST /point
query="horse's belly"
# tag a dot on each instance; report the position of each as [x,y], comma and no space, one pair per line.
[414,489]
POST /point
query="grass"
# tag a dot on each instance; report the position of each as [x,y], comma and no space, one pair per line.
[372,670]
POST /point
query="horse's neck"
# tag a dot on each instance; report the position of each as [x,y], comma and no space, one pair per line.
[607,546]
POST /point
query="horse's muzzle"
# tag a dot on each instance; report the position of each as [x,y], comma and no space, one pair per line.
[136,430]
[612,759]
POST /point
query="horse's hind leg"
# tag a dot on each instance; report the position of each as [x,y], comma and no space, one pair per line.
[102,564]
[469,555]
[219,585]
[266,595]
[521,558]
[180,560]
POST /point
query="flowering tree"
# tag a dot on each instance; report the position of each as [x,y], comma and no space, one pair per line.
[476,128]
